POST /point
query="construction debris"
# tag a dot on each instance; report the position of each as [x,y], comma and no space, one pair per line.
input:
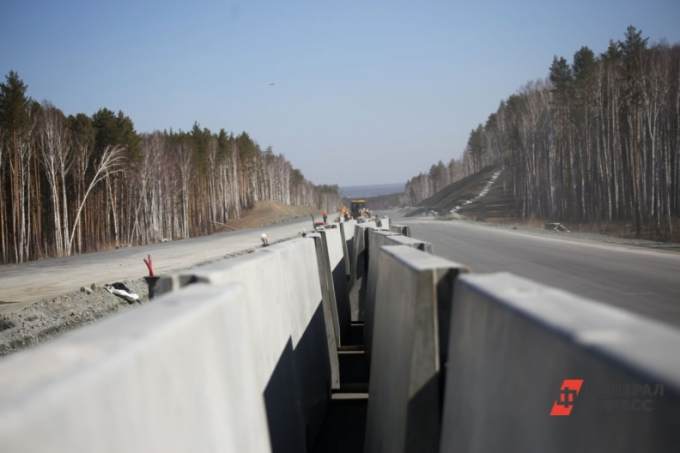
[150,279]
[149,265]
[556,226]
[119,289]
[46,318]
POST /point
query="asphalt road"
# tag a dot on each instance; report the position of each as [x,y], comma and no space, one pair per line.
[642,280]
[21,284]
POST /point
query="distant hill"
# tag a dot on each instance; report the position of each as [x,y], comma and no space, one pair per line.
[372,190]
[392,200]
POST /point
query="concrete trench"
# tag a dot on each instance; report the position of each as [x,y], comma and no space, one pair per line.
[289,350]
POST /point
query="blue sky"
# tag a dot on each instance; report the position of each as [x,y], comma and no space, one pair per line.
[365,91]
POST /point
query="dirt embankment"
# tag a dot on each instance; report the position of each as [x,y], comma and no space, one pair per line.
[497,203]
[42,320]
[269,213]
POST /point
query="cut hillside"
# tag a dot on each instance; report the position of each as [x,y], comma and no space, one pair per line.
[497,205]
[266,213]
[478,197]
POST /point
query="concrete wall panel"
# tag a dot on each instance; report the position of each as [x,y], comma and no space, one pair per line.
[377,239]
[331,317]
[513,343]
[176,375]
[383,223]
[334,244]
[404,230]
[287,312]
[303,299]
[347,233]
[414,290]
[359,265]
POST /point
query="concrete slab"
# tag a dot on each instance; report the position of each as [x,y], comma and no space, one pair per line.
[383,223]
[404,230]
[287,314]
[176,375]
[347,233]
[359,266]
[419,244]
[334,247]
[514,343]
[411,314]
[376,240]
[329,306]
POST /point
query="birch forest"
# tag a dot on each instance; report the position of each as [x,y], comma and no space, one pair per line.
[597,141]
[79,183]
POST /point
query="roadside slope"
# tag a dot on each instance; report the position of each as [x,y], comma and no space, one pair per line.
[484,195]
[266,213]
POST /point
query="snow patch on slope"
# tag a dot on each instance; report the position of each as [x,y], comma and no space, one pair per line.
[485,190]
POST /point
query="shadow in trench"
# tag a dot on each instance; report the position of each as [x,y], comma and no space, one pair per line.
[297,395]
[312,366]
[344,428]
[284,415]
[342,299]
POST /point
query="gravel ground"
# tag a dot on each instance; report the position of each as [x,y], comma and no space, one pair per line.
[47,318]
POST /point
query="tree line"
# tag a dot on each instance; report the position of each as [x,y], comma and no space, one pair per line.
[79,183]
[597,141]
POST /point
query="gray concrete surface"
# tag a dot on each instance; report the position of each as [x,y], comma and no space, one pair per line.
[285,312]
[172,376]
[347,234]
[404,230]
[330,312]
[383,223]
[338,274]
[29,282]
[642,280]
[359,263]
[513,342]
[414,294]
[376,240]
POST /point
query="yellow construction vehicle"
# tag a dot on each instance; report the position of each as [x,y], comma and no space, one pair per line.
[357,207]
